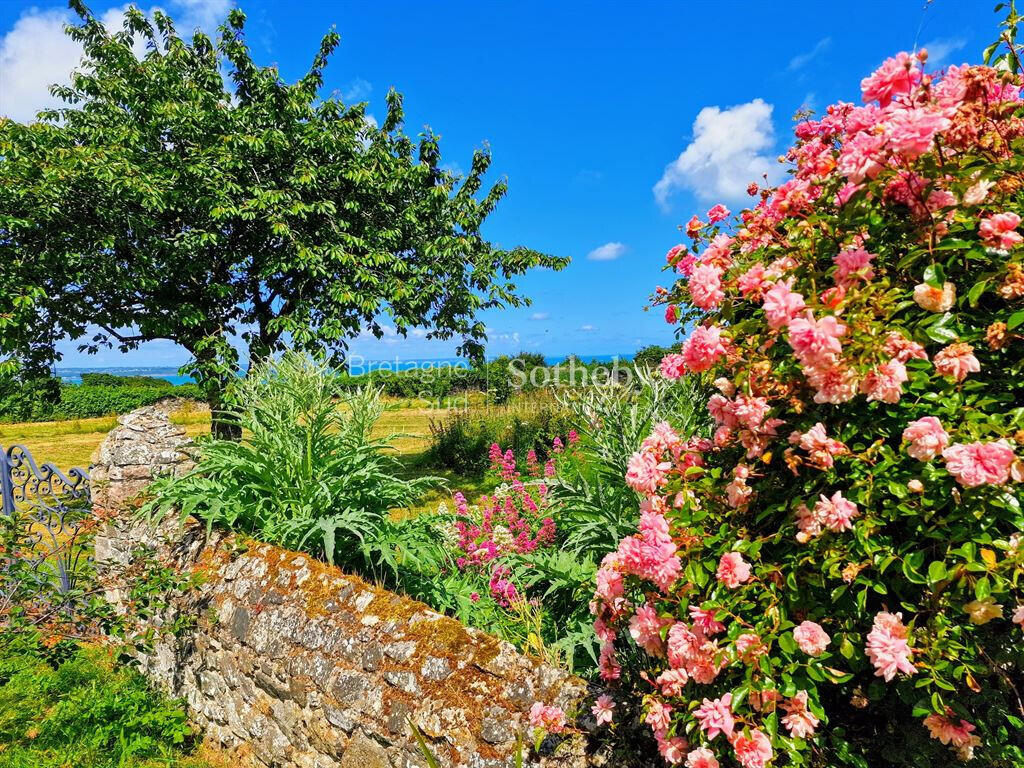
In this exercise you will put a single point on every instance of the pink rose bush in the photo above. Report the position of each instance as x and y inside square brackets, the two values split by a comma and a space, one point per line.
[838, 559]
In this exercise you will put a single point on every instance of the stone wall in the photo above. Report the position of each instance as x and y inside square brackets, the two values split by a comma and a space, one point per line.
[292, 663]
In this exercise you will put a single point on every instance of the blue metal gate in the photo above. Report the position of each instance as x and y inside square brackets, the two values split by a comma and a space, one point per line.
[47, 510]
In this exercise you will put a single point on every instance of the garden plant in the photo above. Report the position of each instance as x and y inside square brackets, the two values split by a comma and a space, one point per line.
[833, 575]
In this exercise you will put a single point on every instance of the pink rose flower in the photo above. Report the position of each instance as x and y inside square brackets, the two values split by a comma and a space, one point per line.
[718, 213]
[703, 349]
[887, 646]
[927, 438]
[733, 570]
[548, 718]
[672, 366]
[836, 513]
[853, 264]
[812, 639]
[955, 732]
[603, 709]
[978, 463]
[715, 717]
[896, 77]
[706, 287]
[935, 299]
[781, 304]
[885, 382]
[816, 342]
[645, 629]
[799, 719]
[754, 751]
[1018, 616]
[702, 757]
[956, 361]
[998, 230]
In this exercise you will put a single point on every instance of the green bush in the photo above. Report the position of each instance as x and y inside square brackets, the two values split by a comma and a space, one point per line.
[77, 709]
[460, 441]
[113, 380]
[28, 398]
[83, 401]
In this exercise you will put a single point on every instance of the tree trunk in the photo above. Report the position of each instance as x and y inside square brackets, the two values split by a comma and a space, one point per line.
[223, 424]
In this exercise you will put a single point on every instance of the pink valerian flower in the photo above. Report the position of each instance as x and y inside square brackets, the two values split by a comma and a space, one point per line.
[645, 473]
[718, 213]
[733, 570]
[956, 361]
[926, 438]
[706, 287]
[812, 639]
[645, 629]
[816, 342]
[935, 299]
[603, 709]
[897, 77]
[887, 646]
[672, 366]
[956, 732]
[651, 553]
[704, 348]
[999, 230]
[852, 265]
[715, 717]
[799, 719]
[702, 757]
[974, 464]
[782, 304]
[753, 751]
[903, 349]
[548, 718]
[885, 382]
[705, 621]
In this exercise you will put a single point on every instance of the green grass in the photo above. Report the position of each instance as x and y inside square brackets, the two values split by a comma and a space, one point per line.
[85, 712]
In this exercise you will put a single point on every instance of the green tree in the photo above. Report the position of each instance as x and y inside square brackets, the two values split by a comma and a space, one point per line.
[163, 203]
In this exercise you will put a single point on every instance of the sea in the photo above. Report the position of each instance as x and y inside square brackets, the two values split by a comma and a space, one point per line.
[73, 375]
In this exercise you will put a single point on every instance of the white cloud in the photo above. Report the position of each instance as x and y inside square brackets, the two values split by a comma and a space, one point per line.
[587, 328]
[607, 252]
[539, 316]
[940, 49]
[358, 90]
[803, 59]
[726, 154]
[36, 53]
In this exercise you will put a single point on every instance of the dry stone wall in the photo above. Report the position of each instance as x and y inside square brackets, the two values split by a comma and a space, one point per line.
[290, 662]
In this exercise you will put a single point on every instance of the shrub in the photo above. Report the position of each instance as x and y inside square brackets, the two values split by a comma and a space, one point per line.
[80, 710]
[833, 580]
[460, 441]
[24, 397]
[306, 474]
[113, 380]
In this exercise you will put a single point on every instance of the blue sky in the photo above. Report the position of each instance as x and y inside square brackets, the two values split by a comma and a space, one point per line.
[613, 121]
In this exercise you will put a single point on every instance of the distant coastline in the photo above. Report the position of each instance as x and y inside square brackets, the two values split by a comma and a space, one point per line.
[73, 375]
